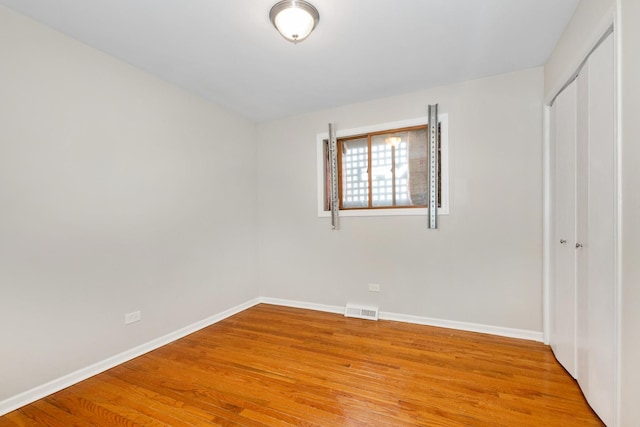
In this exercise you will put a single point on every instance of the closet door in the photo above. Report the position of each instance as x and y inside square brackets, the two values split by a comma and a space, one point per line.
[596, 302]
[563, 297]
[583, 309]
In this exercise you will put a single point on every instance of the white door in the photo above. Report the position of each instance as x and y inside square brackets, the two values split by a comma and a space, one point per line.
[563, 297]
[596, 302]
[583, 305]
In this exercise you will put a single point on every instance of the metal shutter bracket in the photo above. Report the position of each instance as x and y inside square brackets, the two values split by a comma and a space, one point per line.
[333, 154]
[433, 166]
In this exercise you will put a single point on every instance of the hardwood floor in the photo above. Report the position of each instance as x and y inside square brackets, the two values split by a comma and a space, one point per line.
[278, 366]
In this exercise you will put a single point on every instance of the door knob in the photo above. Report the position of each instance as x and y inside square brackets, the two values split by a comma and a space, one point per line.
[563, 241]
[578, 245]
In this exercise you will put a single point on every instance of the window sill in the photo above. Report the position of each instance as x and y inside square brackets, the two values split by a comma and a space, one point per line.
[383, 212]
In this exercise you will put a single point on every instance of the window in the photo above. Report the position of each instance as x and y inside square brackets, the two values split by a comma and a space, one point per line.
[383, 170]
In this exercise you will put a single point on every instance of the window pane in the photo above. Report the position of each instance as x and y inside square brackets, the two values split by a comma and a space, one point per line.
[418, 174]
[382, 172]
[355, 182]
[400, 175]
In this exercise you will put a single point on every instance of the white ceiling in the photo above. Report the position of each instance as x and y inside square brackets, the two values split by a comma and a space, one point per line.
[229, 53]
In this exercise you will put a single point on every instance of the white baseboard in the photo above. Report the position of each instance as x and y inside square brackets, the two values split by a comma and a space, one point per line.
[58, 384]
[418, 320]
[299, 304]
[51, 387]
[465, 326]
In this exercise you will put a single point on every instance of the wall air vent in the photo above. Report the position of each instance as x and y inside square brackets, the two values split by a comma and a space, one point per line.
[361, 312]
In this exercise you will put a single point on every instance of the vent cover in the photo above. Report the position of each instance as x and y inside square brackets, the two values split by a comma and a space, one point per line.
[361, 312]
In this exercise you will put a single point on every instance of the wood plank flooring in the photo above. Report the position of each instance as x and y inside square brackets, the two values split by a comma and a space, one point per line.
[279, 366]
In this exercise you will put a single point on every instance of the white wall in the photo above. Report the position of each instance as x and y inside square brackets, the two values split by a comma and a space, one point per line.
[589, 21]
[482, 266]
[118, 192]
[630, 375]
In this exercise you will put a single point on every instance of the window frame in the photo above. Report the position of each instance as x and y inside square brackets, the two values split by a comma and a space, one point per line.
[370, 187]
[381, 128]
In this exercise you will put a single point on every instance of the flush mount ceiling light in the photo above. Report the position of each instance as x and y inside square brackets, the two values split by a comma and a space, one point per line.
[294, 19]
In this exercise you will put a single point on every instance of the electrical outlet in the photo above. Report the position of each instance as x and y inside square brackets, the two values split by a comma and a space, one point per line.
[374, 287]
[132, 317]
